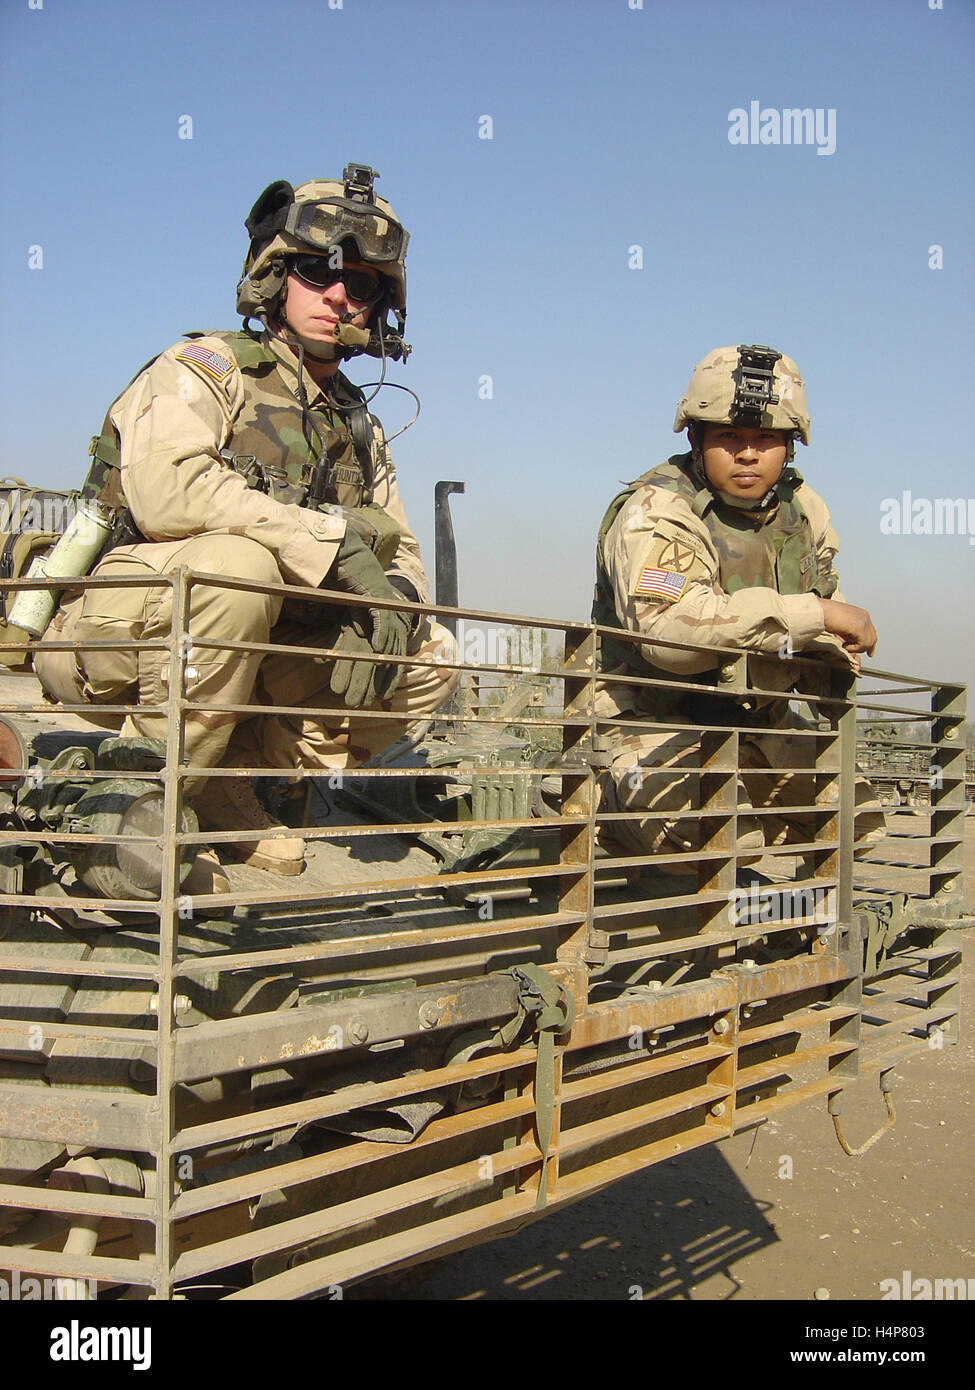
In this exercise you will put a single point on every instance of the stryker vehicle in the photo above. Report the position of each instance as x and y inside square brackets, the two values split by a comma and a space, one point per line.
[467, 1012]
[901, 769]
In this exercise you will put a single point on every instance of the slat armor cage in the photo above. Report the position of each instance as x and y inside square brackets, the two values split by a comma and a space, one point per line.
[300, 1083]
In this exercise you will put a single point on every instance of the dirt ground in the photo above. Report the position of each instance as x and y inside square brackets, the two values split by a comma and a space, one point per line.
[725, 1222]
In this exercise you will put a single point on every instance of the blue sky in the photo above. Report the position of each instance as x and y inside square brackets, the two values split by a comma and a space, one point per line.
[610, 130]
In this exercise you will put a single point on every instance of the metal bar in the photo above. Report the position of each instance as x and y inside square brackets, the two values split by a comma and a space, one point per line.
[12, 1028]
[236, 1044]
[349, 1216]
[190, 966]
[632, 1072]
[74, 1203]
[758, 1073]
[73, 1115]
[351, 832]
[440, 1132]
[909, 713]
[795, 1023]
[375, 888]
[109, 1271]
[463, 776]
[65, 965]
[306, 1111]
[166, 1075]
[841, 864]
[705, 999]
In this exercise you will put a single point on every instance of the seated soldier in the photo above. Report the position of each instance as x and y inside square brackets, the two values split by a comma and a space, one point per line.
[724, 546]
[250, 455]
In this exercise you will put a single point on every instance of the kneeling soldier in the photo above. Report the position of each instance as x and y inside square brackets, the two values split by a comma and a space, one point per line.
[249, 455]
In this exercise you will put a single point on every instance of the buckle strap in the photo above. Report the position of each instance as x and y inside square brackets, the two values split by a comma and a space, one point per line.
[555, 1007]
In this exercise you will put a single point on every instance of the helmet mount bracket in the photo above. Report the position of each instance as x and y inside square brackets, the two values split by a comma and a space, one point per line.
[754, 377]
[358, 180]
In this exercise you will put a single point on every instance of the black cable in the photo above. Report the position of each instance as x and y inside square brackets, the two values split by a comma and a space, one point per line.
[397, 386]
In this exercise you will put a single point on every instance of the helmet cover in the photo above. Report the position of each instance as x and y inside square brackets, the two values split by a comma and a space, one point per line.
[746, 385]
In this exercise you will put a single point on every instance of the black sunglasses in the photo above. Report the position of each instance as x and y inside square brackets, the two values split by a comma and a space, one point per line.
[364, 286]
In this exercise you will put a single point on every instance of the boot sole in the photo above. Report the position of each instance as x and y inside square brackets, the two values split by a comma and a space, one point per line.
[245, 854]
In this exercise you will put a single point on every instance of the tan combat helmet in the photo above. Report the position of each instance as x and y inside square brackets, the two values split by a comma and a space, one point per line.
[317, 217]
[746, 385]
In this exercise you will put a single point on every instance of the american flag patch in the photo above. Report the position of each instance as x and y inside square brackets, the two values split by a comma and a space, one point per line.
[211, 362]
[664, 583]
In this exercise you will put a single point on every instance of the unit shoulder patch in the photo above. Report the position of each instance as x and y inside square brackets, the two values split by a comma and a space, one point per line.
[664, 530]
[212, 363]
[676, 555]
[672, 560]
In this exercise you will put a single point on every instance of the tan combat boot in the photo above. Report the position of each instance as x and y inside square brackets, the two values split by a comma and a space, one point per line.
[207, 876]
[231, 803]
[750, 841]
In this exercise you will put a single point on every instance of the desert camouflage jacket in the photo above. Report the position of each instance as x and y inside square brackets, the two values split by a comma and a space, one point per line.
[676, 564]
[214, 393]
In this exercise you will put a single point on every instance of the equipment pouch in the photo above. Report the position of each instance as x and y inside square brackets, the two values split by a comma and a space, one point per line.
[272, 481]
[376, 527]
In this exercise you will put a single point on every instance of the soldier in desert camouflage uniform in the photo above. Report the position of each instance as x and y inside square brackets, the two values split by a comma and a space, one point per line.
[249, 454]
[725, 546]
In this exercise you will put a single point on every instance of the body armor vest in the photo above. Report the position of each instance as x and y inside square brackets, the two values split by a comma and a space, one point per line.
[271, 429]
[271, 442]
[773, 549]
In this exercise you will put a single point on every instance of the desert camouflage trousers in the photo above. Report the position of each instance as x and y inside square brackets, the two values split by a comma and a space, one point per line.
[224, 676]
[660, 773]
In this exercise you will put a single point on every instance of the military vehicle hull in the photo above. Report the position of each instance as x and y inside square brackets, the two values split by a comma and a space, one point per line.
[297, 1084]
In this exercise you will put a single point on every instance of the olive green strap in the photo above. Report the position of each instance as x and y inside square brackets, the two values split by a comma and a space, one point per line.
[556, 1014]
[247, 348]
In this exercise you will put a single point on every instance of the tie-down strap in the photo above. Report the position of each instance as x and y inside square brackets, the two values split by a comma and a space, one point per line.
[555, 1008]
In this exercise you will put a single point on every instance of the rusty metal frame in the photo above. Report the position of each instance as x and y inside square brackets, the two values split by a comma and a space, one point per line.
[218, 1127]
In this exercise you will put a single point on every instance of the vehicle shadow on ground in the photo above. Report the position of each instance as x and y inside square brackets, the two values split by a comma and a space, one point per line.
[654, 1236]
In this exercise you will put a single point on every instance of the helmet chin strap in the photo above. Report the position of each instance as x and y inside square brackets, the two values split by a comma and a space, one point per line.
[310, 347]
[742, 504]
[748, 504]
[349, 341]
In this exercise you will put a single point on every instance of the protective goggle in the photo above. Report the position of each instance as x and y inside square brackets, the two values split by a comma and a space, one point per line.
[364, 286]
[324, 224]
